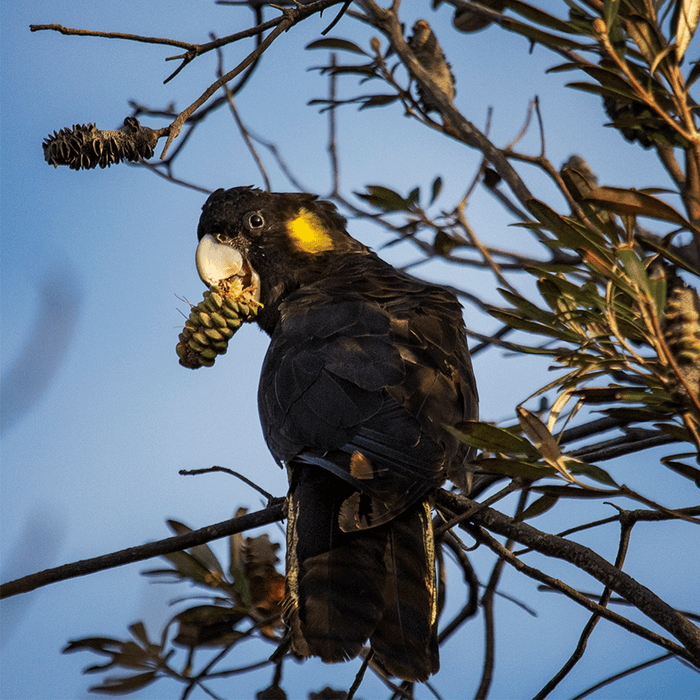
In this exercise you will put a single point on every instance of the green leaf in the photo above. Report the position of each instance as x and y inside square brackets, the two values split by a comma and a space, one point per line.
[686, 470]
[657, 289]
[339, 44]
[541, 505]
[436, 189]
[188, 567]
[646, 36]
[693, 75]
[611, 8]
[668, 254]
[635, 269]
[573, 236]
[602, 90]
[138, 629]
[526, 307]
[592, 471]
[572, 492]
[488, 437]
[609, 79]
[539, 36]
[544, 441]
[679, 432]
[131, 655]
[633, 202]
[688, 16]
[208, 625]
[384, 198]
[100, 645]
[514, 468]
[514, 320]
[378, 101]
[125, 684]
[542, 19]
[613, 394]
[444, 243]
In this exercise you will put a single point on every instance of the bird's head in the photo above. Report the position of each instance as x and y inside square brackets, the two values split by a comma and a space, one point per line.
[274, 243]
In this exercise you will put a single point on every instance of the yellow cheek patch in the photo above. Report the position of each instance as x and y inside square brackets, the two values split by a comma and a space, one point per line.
[308, 234]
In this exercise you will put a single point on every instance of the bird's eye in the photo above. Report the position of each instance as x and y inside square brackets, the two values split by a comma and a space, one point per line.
[254, 221]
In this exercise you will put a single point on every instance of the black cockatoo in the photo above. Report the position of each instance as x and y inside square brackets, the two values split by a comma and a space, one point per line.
[366, 365]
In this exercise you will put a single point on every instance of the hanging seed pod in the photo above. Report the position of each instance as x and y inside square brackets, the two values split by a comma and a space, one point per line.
[85, 146]
[682, 335]
[212, 324]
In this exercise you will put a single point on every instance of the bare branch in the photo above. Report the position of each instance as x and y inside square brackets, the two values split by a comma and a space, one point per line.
[589, 561]
[274, 512]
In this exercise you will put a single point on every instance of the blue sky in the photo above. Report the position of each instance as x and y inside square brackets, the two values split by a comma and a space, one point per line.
[99, 417]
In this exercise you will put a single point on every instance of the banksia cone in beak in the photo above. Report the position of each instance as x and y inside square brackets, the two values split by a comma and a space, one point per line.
[212, 324]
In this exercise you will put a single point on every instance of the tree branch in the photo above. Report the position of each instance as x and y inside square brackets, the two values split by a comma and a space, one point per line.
[274, 512]
[587, 560]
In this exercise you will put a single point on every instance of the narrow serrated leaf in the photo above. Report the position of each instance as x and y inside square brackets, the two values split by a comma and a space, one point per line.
[541, 505]
[378, 101]
[515, 320]
[526, 307]
[686, 470]
[635, 269]
[592, 471]
[125, 684]
[626, 201]
[688, 16]
[383, 198]
[514, 468]
[488, 437]
[338, 44]
[436, 189]
[572, 492]
[544, 441]
[138, 629]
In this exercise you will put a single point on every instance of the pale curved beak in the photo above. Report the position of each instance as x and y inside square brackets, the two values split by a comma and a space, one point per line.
[217, 261]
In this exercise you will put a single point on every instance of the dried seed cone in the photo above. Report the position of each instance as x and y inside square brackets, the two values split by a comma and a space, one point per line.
[85, 146]
[212, 324]
[682, 335]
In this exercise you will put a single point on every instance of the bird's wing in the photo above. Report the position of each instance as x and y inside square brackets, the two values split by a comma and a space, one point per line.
[351, 386]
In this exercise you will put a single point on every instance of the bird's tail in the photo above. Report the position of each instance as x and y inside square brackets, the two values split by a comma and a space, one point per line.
[344, 588]
[405, 640]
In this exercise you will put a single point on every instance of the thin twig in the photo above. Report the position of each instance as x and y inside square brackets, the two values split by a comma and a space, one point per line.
[471, 582]
[622, 674]
[241, 126]
[69, 31]
[226, 470]
[288, 19]
[359, 676]
[576, 656]
[487, 607]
